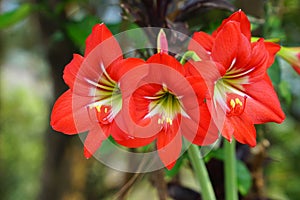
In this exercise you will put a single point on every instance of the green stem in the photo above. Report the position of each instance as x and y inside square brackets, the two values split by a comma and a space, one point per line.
[231, 191]
[201, 173]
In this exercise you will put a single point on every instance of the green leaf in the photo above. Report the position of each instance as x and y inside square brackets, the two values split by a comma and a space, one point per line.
[285, 91]
[217, 154]
[244, 178]
[274, 72]
[11, 17]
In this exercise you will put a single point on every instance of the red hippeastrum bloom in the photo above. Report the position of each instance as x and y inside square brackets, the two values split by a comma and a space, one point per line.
[94, 98]
[169, 100]
[240, 91]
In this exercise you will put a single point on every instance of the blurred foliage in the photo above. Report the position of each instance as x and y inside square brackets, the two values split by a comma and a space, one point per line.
[21, 144]
[283, 170]
[9, 18]
[24, 114]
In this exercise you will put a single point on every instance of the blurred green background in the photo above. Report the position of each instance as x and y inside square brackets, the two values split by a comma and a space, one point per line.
[37, 40]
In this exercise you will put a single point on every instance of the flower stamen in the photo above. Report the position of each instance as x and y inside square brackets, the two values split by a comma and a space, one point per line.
[236, 106]
[108, 98]
[165, 120]
[166, 105]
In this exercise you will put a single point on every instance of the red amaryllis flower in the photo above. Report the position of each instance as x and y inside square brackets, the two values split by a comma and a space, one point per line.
[169, 101]
[241, 93]
[94, 98]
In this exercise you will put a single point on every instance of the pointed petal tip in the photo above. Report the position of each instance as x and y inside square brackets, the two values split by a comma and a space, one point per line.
[229, 139]
[252, 145]
[86, 153]
[170, 166]
[282, 118]
[240, 12]
[99, 33]
[296, 68]
[71, 70]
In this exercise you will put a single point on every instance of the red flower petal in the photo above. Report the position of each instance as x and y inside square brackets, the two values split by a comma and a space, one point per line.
[209, 71]
[199, 85]
[71, 70]
[139, 105]
[169, 144]
[260, 55]
[207, 132]
[250, 61]
[99, 34]
[272, 48]
[263, 105]
[102, 45]
[199, 40]
[240, 17]
[256, 65]
[93, 141]
[62, 117]
[243, 55]
[167, 60]
[117, 69]
[242, 128]
[227, 44]
[296, 68]
[124, 139]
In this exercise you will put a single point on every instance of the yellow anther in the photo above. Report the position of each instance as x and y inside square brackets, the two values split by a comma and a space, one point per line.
[159, 121]
[98, 108]
[164, 119]
[169, 120]
[237, 106]
[238, 101]
[232, 103]
[105, 110]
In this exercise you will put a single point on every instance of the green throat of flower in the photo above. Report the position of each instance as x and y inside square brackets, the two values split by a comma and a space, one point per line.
[166, 105]
[107, 98]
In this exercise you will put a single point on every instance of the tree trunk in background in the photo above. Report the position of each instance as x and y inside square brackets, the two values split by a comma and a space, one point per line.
[56, 171]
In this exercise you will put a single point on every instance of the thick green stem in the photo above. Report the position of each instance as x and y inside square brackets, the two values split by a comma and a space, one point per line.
[201, 173]
[231, 191]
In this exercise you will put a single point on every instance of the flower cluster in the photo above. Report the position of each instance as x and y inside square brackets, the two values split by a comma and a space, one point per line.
[224, 88]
